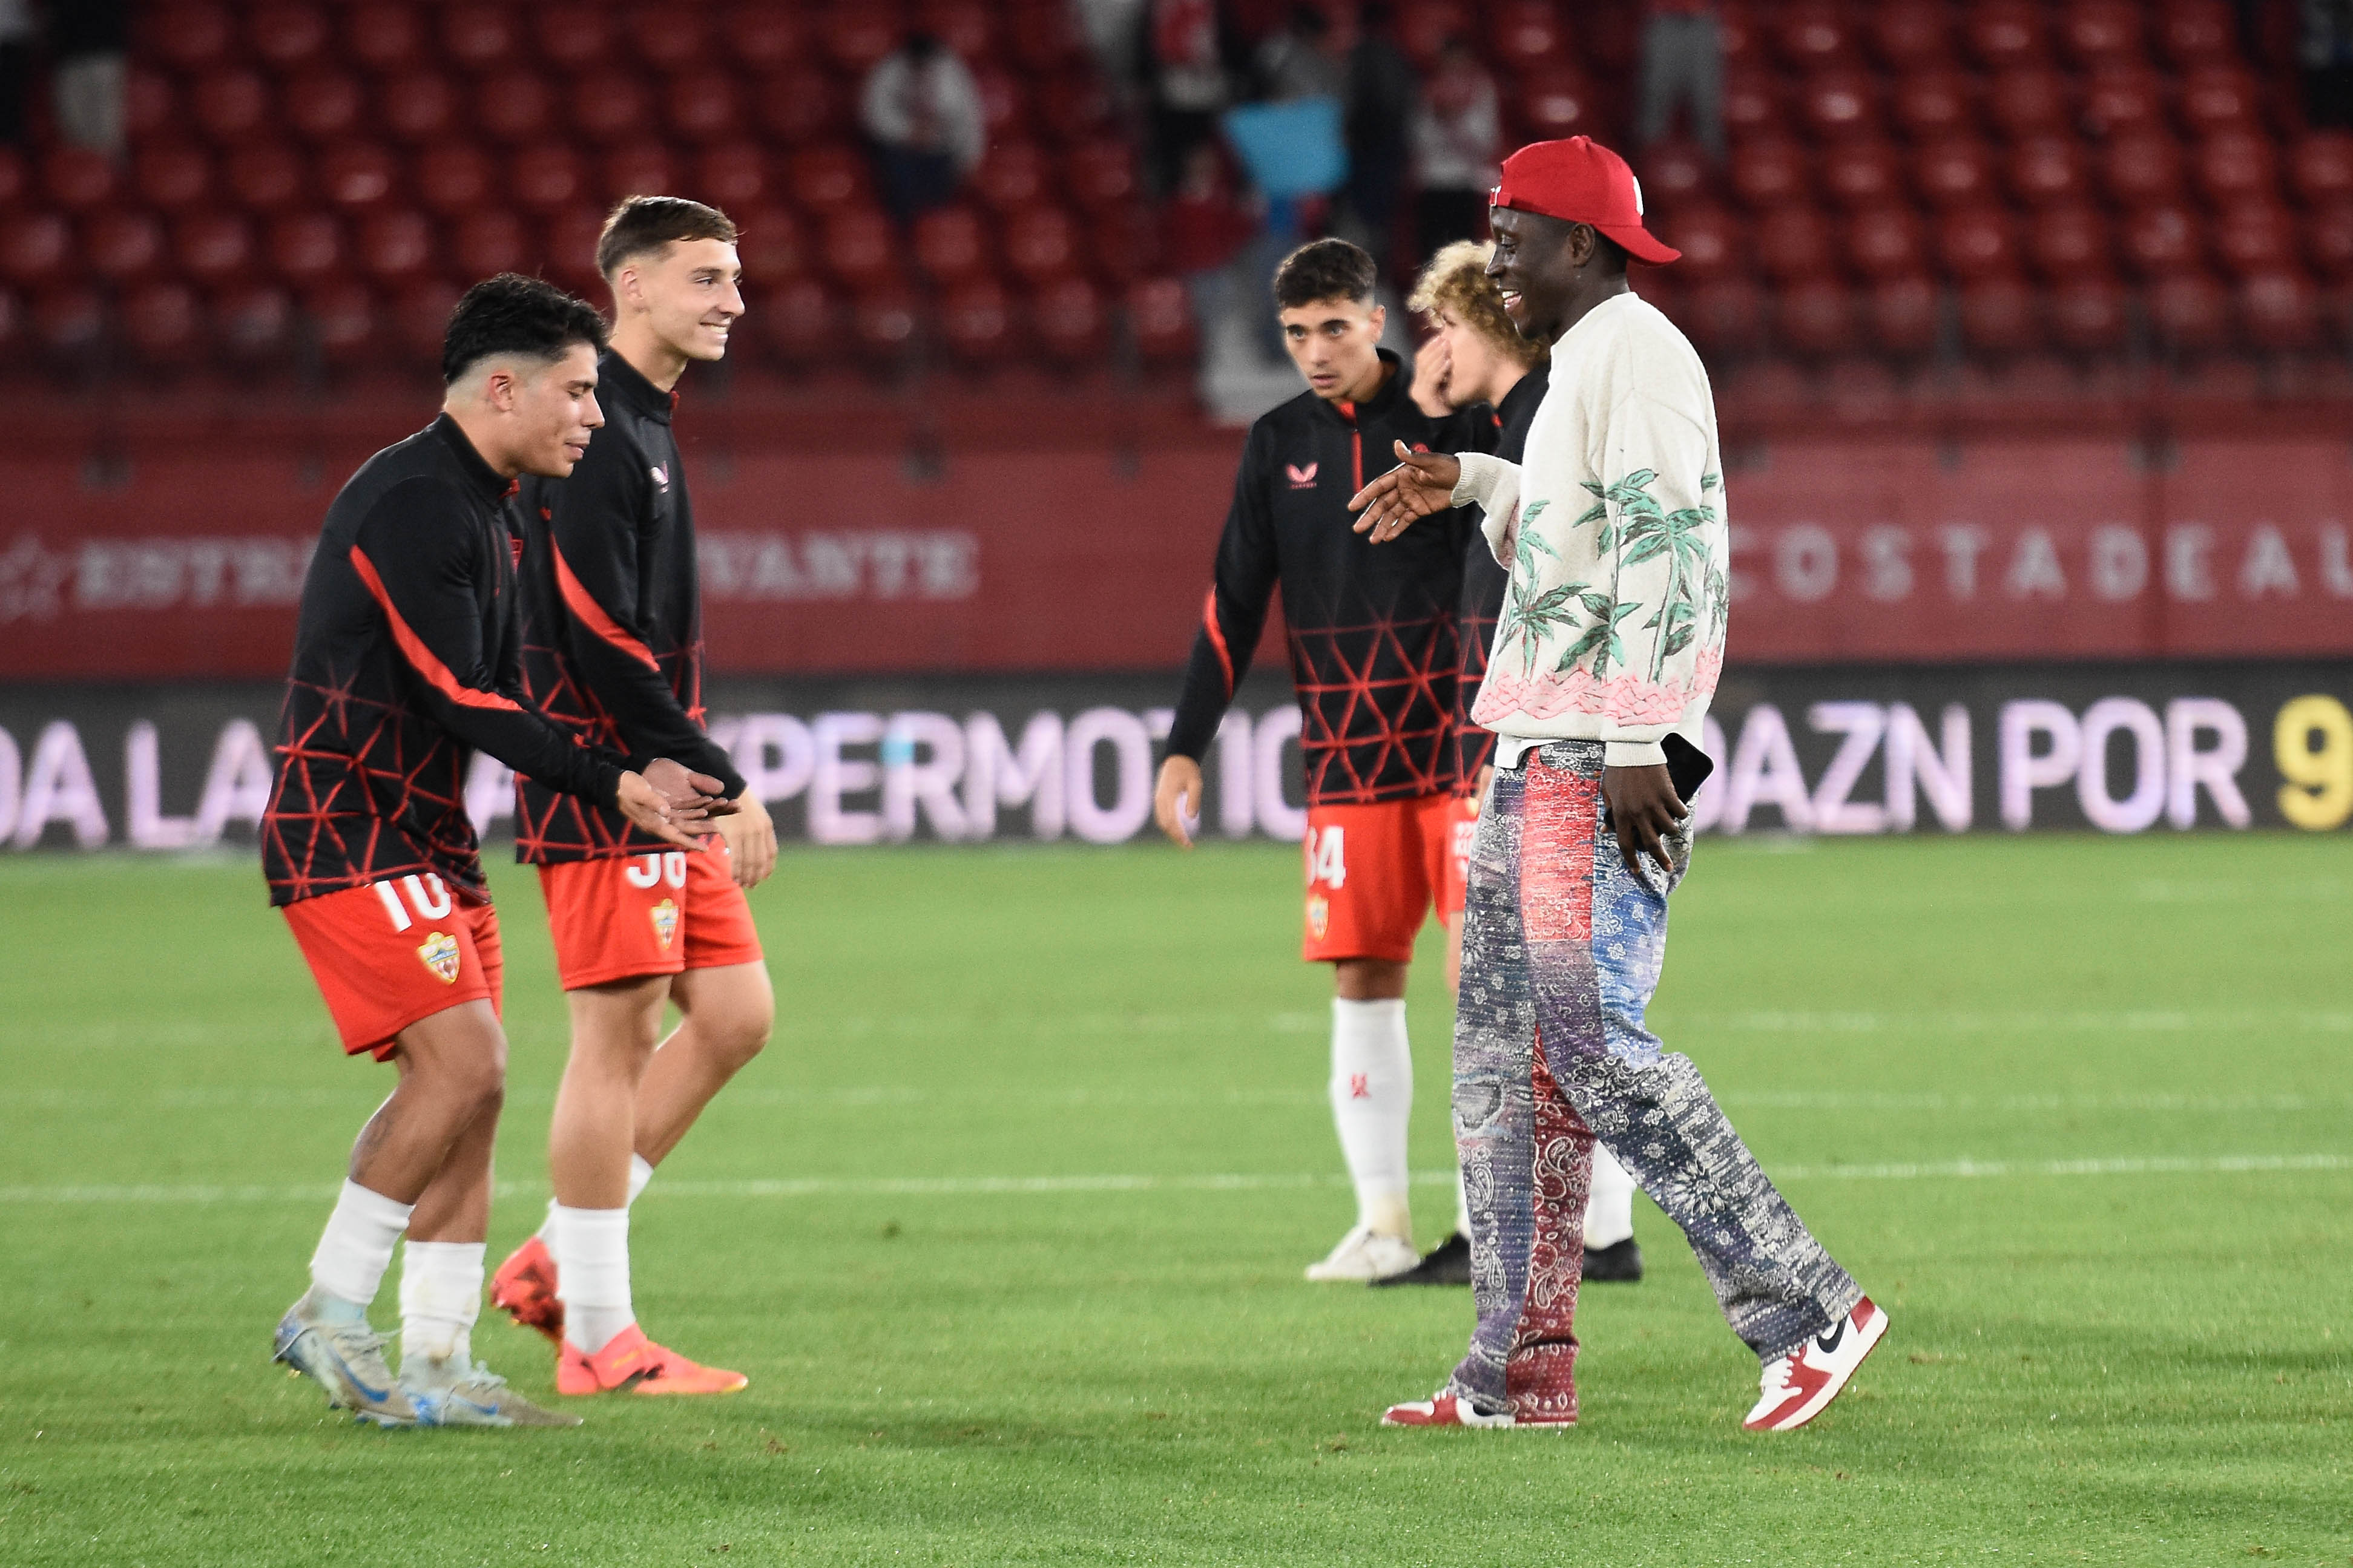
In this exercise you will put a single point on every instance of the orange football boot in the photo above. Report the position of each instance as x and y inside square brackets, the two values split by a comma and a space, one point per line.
[633, 1363]
[524, 1288]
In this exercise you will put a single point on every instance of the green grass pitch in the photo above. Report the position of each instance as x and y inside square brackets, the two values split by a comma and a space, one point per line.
[1007, 1228]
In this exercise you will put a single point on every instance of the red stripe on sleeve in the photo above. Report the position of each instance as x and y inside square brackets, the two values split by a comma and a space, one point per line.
[420, 658]
[583, 603]
[1217, 639]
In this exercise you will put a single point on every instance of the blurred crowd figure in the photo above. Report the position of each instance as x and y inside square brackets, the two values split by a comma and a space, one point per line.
[2325, 50]
[1458, 145]
[920, 109]
[88, 46]
[1682, 68]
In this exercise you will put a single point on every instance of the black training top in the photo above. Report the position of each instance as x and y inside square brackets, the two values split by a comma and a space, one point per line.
[1372, 626]
[1484, 582]
[613, 616]
[406, 664]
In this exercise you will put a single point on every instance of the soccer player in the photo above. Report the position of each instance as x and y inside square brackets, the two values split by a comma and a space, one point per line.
[1609, 645]
[1372, 660]
[613, 648]
[1476, 358]
[405, 663]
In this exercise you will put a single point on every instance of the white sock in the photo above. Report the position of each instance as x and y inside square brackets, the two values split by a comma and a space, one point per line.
[639, 1174]
[591, 1274]
[1610, 1212]
[1461, 1204]
[1372, 1100]
[356, 1247]
[440, 1297]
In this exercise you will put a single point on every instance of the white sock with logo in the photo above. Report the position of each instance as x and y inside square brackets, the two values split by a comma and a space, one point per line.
[1372, 1100]
[1610, 1212]
[440, 1297]
[356, 1246]
[639, 1174]
[591, 1274]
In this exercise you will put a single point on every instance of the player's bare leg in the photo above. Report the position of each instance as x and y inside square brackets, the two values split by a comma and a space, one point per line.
[725, 1014]
[1372, 1101]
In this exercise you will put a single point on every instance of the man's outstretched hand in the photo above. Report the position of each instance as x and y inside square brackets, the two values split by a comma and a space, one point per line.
[1177, 800]
[1643, 808]
[1421, 483]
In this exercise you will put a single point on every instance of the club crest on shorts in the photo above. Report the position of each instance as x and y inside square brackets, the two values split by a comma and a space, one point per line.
[1319, 915]
[665, 918]
[440, 954]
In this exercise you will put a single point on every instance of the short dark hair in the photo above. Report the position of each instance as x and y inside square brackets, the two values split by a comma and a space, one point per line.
[1612, 256]
[642, 224]
[1324, 269]
[511, 314]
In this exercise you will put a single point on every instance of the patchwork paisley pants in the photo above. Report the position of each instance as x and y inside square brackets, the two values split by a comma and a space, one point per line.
[1561, 951]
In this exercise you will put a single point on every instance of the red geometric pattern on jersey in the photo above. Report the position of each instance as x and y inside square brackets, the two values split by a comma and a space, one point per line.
[1391, 858]
[379, 975]
[1540, 1373]
[622, 917]
[1376, 707]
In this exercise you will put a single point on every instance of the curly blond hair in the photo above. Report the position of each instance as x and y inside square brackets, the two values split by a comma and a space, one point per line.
[1456, 282]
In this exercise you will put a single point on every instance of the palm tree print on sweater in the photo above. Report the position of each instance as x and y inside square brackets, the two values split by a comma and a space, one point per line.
[1646, 532]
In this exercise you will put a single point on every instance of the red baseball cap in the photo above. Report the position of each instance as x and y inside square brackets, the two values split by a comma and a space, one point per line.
[1580, 181]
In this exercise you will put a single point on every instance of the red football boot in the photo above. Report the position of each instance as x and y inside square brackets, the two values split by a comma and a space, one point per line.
[632, 1364]
[524, 1288]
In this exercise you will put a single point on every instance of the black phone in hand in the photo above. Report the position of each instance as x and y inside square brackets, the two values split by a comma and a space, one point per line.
[1687, 765]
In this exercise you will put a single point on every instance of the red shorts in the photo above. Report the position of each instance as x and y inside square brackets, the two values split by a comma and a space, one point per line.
[395, 953]
[1372, 871]
[1462, 828]
[627, 916]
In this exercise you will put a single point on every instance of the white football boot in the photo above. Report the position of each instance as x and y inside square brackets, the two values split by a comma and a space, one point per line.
[1364, 1256]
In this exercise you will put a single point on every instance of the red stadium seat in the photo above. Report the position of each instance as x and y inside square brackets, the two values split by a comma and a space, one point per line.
[515, 106]
[1424, 25]
[212, 247]
[2101, 32]
[1903, 314]
[572, 35]
[2280, 310]
[856, 36]
[1673, 171]
[395, 246]
[1067, 315]
[1793, 242]
[2045, 171]
[950, 245]
[189, 36]
[1042, 243]
[172, 176]
[2218, 98]
[358, 175]
[420, 106]
[1884, 241]
[1933, 105]
[977, 320]
[34, 246]
[384, 38]
[1815, 318]
[2322, 166]
[2191, 310]
[69, 320]
[12, 323]
[1977, 242]
[342, 321]
[1004, 102]
[288, 37]
[2121, 101]
[861, 248]
[255, 323]
[1552, 107]
[2162, 239]
[670, 38]
[1160, 315]
[702, 107]
[266, 177]
[455, 179]
[1524, 33]
[825, 179]
[2004, 33]
[1861, 174]
[491, 241]
[1999, 314]
[122, 246]
[1711, 239]
[2069, 241]
[2256, 236]
[1100, 174]
[2329, 240]
[569, 247]
[797, 107]
[883, 316]
[164, 324]
[1012, 175]
[2233, 166]
[1842, 103]
[419, 319]
[78, 178]
[1044, 37]
[2142, 170]
[306, 248]
[1951, 173]
[1770, 173]
[797, 321]
[771, 246]
[965, 29]
[1125, 243]
[1911, 34]
[2196, 32]
[231, 106]
[1813, 33]
[1752, 103]
[733, 176]
[2033, 102]
[610, 107]
[547, 178]
[15, 182]
[322, 106]
[1724, 316]
[151, 107]
[2088, 313]
[479, 36]
[645, 169]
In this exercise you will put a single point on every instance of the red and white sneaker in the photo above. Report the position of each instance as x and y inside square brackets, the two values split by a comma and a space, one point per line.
[524, 1288]
[1797, 1386]
[1443, 1409]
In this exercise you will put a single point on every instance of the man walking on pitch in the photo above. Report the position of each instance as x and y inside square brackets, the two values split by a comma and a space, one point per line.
[405, 663]
[1372, 657]
[613, 649]
[1608, 648]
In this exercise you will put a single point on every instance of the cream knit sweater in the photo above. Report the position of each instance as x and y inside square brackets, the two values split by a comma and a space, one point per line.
[1613, 530]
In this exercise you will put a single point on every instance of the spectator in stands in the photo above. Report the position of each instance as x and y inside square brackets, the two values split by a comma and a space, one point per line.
[1458, 140]
[1682, 65]
[1382, 94]
[1205, 224]
[93, 43]
[922, 110]
[15, 67]
[1189, 64]
[1299, 60]
[2325, 52]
